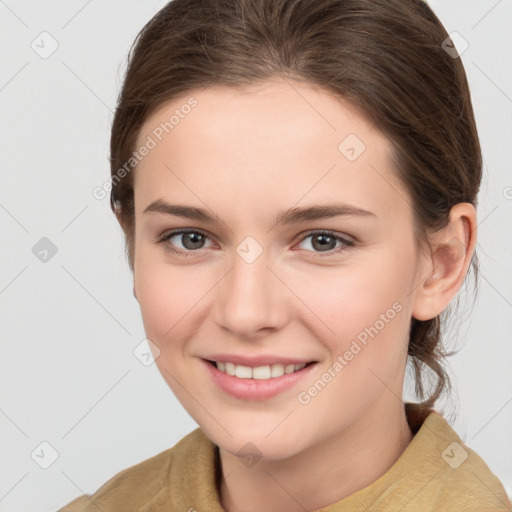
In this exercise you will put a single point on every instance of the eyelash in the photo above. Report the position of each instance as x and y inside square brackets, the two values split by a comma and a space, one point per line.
[347, 243]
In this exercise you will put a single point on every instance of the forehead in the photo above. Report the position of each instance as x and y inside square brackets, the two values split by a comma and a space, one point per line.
[263, 110]
[278, 140]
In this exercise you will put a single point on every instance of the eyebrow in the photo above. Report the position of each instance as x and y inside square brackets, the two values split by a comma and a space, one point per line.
[293, 215]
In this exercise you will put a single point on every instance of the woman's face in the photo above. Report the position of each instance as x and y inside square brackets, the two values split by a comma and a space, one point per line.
[260, 287]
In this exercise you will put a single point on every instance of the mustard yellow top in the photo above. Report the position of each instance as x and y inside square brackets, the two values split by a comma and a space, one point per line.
[436, 472]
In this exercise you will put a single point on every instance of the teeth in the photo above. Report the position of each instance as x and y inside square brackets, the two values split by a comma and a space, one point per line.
[259, 372]
[276, 370]
[243, 372]
[290, 368]
[230, 368]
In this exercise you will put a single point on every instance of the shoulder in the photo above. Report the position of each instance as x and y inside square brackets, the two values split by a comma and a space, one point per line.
[135, 487]
[461, 480]
[436, 472]
[467, 481]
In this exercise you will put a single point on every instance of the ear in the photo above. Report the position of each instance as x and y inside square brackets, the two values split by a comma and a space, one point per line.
[444, 269]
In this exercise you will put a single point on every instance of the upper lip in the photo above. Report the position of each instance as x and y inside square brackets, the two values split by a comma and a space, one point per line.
[255, 361]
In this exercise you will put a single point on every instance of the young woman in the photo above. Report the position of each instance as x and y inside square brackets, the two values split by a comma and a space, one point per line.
[297, 183]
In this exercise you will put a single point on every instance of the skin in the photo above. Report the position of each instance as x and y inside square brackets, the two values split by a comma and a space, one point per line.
[244, 155]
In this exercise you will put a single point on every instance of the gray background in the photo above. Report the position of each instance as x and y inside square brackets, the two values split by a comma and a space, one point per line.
[69, 325]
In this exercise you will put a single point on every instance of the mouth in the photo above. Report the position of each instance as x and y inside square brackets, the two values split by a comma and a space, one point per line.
[259, 381]
[257, 377]
[263, 372]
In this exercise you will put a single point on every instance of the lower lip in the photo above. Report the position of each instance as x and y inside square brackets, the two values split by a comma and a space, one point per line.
[255, 389]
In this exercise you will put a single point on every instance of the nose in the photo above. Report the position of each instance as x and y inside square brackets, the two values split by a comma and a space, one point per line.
[251, 300]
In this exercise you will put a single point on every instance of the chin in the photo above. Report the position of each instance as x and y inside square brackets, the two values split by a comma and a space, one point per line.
[264, 450]
[256, 442]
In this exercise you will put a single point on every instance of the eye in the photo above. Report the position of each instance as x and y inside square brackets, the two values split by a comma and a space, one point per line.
[193, 240]
[325, 242]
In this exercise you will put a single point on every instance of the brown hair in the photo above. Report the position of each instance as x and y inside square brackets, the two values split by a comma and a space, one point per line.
[385, 56]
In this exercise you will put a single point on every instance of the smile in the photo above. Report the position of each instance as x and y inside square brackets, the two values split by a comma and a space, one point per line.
[258, 372]
[259, 381]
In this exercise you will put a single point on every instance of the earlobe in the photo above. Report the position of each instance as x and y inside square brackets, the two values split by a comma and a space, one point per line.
[135, 293]
[452, 249]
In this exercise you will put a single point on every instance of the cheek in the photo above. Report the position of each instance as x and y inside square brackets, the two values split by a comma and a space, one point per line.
[365, 311]
[168, 300]
[348, 300]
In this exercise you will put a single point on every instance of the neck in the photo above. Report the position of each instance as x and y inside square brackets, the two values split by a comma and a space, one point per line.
[325, 473]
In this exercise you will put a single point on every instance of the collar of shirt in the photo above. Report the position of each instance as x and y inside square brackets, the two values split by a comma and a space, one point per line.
[437, 471]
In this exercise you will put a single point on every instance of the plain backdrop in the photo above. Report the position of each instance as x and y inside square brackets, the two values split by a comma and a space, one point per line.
[74, 397]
